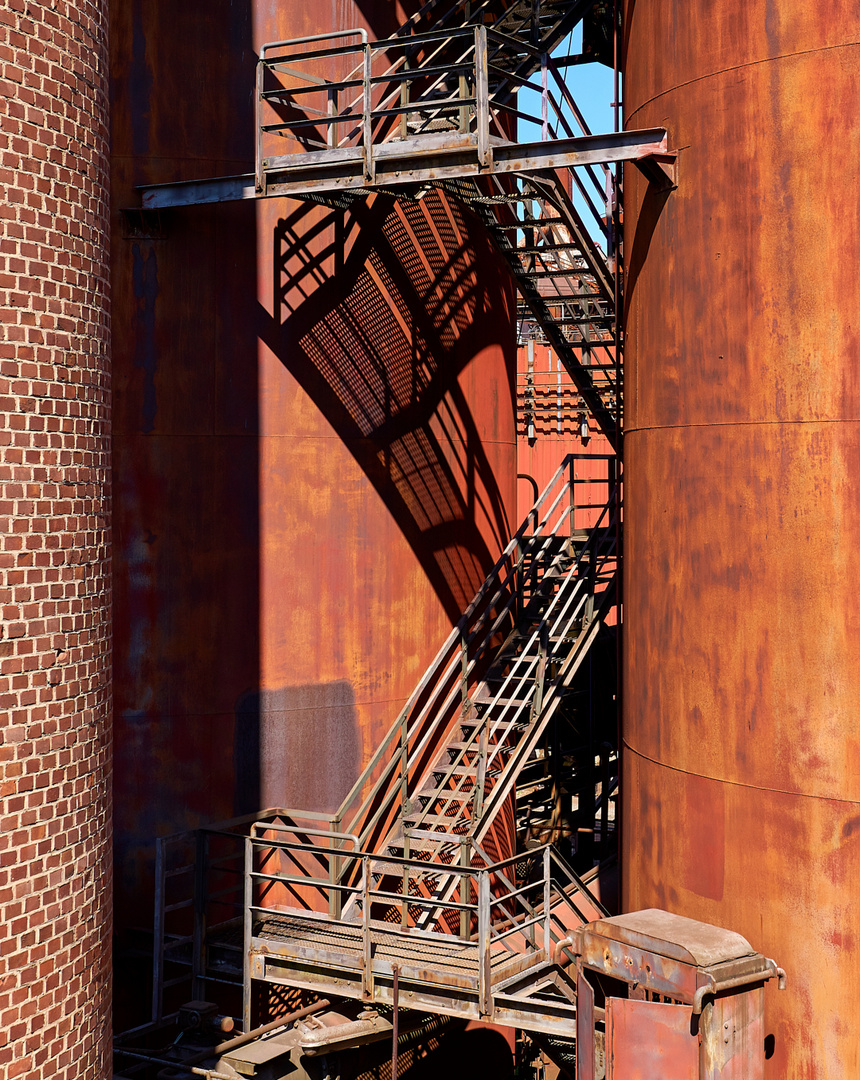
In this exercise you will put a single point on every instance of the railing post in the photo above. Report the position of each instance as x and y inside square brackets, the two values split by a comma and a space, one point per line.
[480, 776]
[404, 116]
[547, 944]
[572, 521]
[464, 112]
[464, 673]
[544, 135]
[335, 899]
[366, 970]
[485, 995]
[404, 907]
[198, 948]
[482, 95]
[605, 780]
[247, 934]
[259, 177]
[518, 578]
[404, 765]
[591, 584]
[613, 490]
[158, 932]
[540, 670]
[368, 118]
[331, 136]
[465, 889]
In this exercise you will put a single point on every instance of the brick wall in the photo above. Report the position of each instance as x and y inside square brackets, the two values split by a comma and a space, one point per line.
[54, 525]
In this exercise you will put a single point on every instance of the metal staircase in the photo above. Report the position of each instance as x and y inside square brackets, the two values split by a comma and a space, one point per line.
[439, 104]
[402, 875]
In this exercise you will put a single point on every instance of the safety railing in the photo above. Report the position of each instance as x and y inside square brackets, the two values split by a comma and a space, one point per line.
[382, 90]
[199, 896]
[338, 95]
[498, 924]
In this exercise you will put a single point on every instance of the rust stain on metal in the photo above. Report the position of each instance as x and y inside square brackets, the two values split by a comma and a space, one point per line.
[646, 1040]
[742, 525]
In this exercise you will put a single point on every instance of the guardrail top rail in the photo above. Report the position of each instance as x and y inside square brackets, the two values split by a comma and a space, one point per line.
[493, 927]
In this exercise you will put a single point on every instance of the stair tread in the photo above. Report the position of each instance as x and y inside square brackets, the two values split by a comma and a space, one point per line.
[445, 795]
[438, 819]
[493, 700]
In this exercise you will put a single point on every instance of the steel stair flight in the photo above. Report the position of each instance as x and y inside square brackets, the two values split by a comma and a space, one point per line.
[404, 874]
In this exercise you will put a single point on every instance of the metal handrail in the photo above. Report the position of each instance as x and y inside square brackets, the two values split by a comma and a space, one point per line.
[491, 66]
[469, 921]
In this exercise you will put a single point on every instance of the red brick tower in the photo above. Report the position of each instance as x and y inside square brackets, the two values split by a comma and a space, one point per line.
[55, 657]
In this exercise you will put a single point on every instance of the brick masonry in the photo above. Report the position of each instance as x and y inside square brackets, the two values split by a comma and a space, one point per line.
[55, 574]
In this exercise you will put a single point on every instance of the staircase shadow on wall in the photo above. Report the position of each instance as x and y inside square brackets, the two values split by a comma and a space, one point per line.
[378, 311]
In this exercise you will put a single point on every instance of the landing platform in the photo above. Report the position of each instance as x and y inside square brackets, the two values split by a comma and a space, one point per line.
[436, 972]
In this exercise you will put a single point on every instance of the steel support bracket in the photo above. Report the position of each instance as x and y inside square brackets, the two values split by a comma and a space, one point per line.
[661, 170]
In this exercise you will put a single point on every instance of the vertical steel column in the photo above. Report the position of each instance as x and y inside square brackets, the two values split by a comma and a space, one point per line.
[482, 93]
[247, 932]
[485, 993]
[158, 932]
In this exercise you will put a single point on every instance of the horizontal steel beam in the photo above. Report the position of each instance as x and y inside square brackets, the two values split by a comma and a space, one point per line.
[411, 162]
[198, 192]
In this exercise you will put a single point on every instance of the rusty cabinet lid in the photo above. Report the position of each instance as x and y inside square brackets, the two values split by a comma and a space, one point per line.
[674, 936]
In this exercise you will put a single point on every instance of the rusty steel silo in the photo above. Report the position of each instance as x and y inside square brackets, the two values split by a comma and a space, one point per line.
[742, 771]
[314, 443]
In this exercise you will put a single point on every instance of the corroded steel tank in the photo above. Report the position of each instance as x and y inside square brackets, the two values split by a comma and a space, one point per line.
[742, 672]
[314, 443]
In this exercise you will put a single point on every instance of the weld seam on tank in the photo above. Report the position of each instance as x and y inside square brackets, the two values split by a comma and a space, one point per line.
[736, 67]
[736, 783]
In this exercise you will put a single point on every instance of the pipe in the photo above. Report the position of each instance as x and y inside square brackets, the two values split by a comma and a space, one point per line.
[240, 1040]
[533, 482]
[732, 984]
[230, 1044]
[395, 1002]
[565, 943]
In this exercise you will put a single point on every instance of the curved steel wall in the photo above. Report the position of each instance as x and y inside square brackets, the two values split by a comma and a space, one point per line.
[314, 444]
[742, 768]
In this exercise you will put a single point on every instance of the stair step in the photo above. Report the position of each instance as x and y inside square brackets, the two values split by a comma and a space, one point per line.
[518, 968]
[458, 770]
[485, 696]
[498, 672]
[444, 795]
[544, 977]
[519, 725]
[438, 819]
